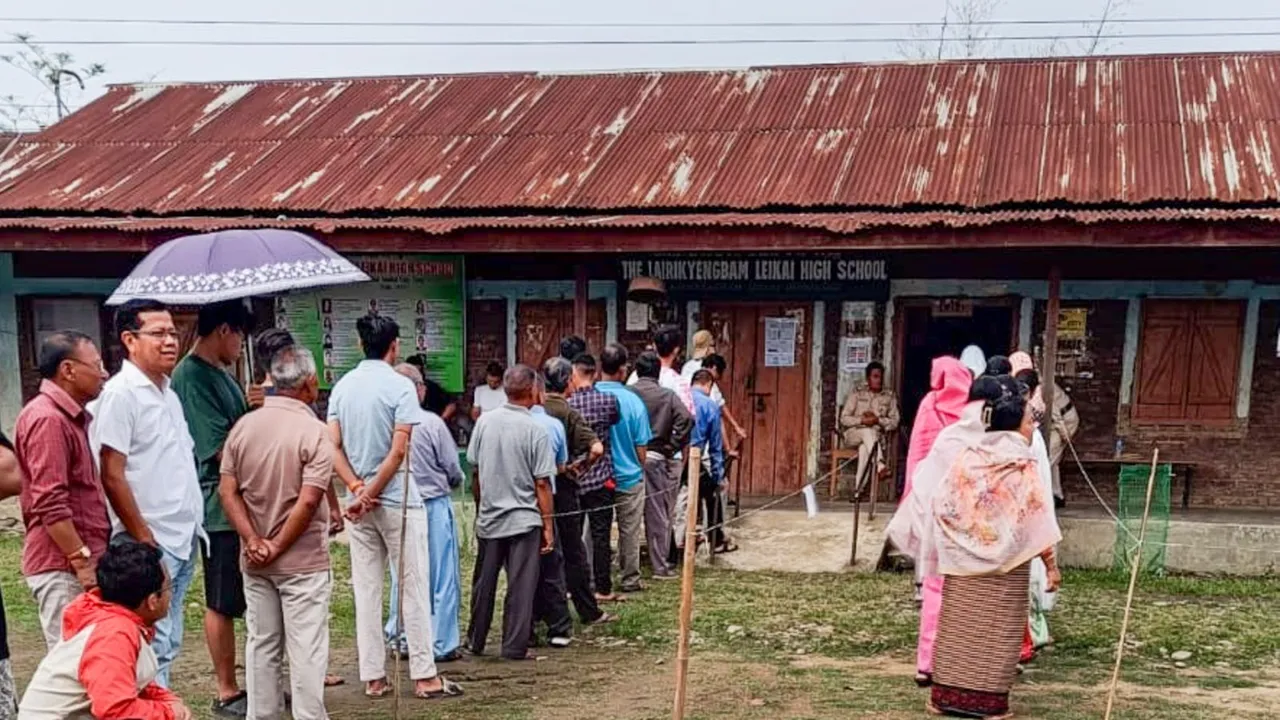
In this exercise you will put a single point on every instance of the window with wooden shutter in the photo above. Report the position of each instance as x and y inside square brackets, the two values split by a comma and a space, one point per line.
[1188, 361]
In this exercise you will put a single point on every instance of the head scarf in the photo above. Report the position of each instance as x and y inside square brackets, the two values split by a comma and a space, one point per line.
[974, 359]
[703, 342]
[949, 394]
[1020, 361]
[991, 513]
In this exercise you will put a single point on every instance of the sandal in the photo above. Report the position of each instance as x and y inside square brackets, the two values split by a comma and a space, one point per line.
[448, 689]
[727, 548]
[604, 619]
[381, 692]
[334, 681]
[924, 680]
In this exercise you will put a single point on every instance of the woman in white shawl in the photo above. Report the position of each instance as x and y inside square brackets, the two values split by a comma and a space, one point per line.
[911, 529]
[990, 517]
[1042, 600]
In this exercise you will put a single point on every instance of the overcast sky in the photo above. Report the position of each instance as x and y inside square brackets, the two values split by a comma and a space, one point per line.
[132, 63]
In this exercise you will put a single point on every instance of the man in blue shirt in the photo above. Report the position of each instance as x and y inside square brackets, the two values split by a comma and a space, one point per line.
[372, 412]
[629, 440]
[708, 434]
[550, 604]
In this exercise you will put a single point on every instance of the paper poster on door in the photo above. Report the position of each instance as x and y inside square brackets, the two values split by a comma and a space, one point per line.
[857, 354]
[637, 316]
[780, 341]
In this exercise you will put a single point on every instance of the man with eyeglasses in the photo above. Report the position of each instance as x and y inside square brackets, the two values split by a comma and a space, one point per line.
[67, 527]
[212, 403]
[147, 459]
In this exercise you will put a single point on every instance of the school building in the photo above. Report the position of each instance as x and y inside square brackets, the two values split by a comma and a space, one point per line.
[1116, 214]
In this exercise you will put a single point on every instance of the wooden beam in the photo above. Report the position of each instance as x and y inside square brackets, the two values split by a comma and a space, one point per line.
[1049, 361]
[580, 300]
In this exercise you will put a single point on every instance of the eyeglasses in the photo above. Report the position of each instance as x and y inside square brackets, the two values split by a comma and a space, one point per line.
[160, 335]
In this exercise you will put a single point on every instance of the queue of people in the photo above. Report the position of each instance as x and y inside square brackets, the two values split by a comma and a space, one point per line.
[126, 482]
[977, 518]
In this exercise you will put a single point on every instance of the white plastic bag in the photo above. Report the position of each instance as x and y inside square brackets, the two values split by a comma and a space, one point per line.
[1041, 597]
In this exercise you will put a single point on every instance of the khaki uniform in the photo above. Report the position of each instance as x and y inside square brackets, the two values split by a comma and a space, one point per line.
[1066, 421]
[856, 435]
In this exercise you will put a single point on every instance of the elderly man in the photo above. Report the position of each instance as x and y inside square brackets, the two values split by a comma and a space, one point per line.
[436, 472]
[276, 468]
[147, 459]
[372, 411]
[870, 412]
[514, 467]
[62, 503]
[585, 449]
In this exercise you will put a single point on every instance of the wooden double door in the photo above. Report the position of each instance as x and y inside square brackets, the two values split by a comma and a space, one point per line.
[541, 324]
[770, 399]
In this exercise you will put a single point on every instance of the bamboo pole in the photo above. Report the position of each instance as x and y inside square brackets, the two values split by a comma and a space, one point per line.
[1049, 363]
[404, 522]
[1133, 582]
[686, 585]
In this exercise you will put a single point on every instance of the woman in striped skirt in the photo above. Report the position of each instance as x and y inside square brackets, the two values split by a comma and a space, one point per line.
[991, 517]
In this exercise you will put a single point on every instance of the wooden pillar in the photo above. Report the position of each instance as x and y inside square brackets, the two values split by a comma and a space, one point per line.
[580, 300]
[1049, 361]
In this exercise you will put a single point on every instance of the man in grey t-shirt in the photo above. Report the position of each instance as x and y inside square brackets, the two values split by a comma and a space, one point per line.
[514, 467]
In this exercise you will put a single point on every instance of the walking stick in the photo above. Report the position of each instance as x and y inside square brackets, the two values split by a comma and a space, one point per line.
[404, 523]
[686, 585]
[1133, 582]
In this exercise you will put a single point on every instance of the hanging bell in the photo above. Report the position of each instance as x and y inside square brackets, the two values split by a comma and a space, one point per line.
[645, 289]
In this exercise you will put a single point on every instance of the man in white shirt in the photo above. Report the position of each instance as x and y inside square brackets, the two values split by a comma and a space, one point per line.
[147, 460]
[490, 395]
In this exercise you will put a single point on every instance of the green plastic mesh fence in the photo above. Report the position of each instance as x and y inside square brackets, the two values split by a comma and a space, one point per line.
[1133, 496]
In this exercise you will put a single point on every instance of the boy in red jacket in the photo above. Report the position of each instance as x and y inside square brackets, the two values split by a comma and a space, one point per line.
[103, 667]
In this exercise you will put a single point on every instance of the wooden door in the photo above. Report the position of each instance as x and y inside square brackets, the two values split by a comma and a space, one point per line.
[770, 402]
[541, 324]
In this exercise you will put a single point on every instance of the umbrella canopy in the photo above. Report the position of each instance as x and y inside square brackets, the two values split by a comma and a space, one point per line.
[231, 264]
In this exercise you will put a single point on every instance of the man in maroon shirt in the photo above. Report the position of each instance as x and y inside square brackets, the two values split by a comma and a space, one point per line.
[62, 501]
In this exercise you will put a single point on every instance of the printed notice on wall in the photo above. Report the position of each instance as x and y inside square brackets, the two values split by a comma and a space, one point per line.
[1073, 323]
[857, 354]
[423, 293]
[780, 341]
[637, 316]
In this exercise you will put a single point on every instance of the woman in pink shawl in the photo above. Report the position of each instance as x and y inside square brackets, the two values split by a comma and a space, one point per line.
[949, 383]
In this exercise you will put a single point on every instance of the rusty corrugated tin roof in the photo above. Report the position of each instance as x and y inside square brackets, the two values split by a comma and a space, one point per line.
[1106, 131]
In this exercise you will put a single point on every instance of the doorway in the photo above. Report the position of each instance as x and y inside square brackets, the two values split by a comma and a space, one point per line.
[930, 328]
[540, 325]
[769, 399]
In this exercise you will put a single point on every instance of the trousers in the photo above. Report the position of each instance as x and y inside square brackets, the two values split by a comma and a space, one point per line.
[286, 614]
[659, 505]
[518, 557]
[577, 569]
[598, 505]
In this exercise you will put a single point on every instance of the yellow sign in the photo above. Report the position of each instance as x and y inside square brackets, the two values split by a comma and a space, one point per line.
[1073, 323]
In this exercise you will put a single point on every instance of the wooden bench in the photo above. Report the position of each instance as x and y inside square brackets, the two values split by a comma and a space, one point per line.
[1185, 468]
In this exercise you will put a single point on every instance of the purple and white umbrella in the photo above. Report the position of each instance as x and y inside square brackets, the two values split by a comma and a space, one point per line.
[232, 264]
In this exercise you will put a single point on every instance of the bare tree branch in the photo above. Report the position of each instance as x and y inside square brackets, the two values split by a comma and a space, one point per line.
[53, 70]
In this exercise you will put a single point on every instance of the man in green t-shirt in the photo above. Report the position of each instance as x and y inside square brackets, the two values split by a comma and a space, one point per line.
[212, 402]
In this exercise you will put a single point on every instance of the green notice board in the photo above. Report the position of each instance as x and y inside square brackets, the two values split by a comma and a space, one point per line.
[425, 295]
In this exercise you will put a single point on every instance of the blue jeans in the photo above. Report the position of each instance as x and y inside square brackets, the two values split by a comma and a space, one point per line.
[168, 639]
[446, 582]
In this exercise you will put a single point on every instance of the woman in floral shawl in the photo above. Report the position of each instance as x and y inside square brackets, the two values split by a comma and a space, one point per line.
[991, 517]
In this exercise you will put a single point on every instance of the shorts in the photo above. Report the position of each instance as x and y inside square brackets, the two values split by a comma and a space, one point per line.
[223, 581]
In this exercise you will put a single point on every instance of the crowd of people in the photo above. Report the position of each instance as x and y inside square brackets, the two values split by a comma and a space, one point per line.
[126, 482]
[978, 519]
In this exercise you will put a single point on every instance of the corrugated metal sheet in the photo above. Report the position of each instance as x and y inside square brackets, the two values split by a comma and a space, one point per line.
[847, 223]
[1202, 129]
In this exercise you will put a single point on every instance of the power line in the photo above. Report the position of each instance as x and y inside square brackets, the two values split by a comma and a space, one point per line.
[635, 24]
[661, 41]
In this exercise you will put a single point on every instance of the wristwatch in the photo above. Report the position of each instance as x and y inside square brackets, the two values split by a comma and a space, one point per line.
[82, 554]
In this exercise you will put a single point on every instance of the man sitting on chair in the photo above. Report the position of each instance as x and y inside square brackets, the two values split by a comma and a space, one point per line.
[869, 413]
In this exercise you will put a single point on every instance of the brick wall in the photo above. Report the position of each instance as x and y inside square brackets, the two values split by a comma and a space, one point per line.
[486, 340]
[1233, 466]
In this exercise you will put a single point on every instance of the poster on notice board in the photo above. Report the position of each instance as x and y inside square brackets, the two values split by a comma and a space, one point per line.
[424, 293]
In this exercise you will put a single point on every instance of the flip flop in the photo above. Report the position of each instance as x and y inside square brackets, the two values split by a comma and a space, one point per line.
[448, 689]
[334, 681]
[727, 548]
[604, 619]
